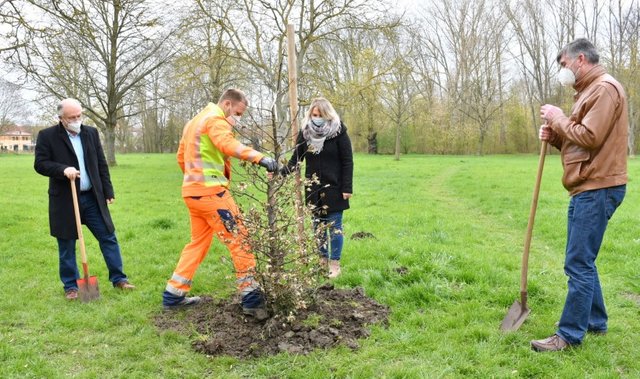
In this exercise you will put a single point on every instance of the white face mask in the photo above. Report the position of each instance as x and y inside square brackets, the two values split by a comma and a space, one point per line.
[74, 126]
[236, 120]
[566, 77]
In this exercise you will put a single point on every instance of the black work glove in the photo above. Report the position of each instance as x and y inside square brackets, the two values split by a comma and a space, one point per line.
[269, 163]
[283, 171]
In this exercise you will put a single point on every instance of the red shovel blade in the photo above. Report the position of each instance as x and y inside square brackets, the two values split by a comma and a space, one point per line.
[88, 289]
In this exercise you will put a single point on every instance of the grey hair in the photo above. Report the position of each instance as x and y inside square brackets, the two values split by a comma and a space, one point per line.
[65, 102]
[580, 46]
[324, 107]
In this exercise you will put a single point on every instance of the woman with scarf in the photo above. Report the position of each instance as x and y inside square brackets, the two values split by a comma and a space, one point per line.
[324, 145]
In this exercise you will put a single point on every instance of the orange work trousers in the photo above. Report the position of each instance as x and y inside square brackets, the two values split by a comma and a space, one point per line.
[214, 215]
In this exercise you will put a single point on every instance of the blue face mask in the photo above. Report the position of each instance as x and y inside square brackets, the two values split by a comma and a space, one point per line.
[318, 121]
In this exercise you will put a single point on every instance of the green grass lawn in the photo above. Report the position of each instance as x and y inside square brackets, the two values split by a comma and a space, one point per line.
[456, 223]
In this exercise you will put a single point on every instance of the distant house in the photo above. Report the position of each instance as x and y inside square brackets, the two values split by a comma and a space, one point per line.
[16, 141]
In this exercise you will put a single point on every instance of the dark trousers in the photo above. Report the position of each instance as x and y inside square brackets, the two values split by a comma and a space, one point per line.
[91, 217]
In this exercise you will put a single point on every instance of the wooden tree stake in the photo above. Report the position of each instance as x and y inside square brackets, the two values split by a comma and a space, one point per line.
[293, 107]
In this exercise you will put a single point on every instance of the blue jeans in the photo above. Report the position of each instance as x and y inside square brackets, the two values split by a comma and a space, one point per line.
[91, 217]
[588, 215]
[333, 222]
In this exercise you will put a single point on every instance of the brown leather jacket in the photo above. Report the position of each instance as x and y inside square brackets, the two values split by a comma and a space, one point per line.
[593, 139]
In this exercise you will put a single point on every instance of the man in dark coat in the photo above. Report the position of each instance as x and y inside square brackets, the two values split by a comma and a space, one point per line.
[72, 151]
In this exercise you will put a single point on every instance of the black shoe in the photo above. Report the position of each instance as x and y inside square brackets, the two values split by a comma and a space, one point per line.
[184, 303]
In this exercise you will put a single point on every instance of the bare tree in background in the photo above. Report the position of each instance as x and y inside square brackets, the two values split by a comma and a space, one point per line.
[534, 54]
[562, 21]
[125, 136]
[206, 61]
[399, 89]
[467, 43]
[151, 114]
[9, 16]
[95, 50]
[257, 31]
[623, 54]
[590, 12]
[474, 58]
[11, 104]
[354, 80]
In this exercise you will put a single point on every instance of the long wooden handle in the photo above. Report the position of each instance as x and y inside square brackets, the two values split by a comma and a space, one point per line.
[76, 211]
[532, 217]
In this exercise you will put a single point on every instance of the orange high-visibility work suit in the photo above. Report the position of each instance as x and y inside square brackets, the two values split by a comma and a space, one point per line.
[203, 155]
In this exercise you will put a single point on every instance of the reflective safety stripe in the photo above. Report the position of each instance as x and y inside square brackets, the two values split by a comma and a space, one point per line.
[252, 155]
[181, 279]
[214, 181]
[208, 181]
[248, 278]
[239, 150]
[193, 178]
[192, 165]
[247, 284]
[175, 291]
[248, 289]
[203, 165]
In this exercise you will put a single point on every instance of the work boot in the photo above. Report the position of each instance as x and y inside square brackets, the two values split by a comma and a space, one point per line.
[553, 343]
[334, 268]
[257, 313]
[253, 305]
[184, 303]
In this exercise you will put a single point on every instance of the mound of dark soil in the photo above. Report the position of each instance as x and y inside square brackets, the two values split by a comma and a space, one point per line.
[338, 316]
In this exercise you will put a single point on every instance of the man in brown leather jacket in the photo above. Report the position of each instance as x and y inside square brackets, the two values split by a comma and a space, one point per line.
[593, 145]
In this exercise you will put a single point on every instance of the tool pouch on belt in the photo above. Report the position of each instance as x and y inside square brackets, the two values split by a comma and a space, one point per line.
[228, 220]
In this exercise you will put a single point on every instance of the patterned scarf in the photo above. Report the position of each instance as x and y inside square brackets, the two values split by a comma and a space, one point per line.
[315, 135]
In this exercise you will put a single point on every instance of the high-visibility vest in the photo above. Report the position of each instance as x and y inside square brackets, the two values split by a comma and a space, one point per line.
[203, 155]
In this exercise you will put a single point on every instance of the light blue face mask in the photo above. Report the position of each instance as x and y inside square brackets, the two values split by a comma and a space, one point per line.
[318, 121]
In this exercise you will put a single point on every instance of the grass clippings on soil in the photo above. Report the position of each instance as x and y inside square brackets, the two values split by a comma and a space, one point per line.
[338, 316]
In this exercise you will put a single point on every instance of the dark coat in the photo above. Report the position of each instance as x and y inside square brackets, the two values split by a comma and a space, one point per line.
[334, 168]
[53, 154]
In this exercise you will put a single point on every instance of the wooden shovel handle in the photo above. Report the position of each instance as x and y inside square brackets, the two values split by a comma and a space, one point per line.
[76, 211]
[532, 217]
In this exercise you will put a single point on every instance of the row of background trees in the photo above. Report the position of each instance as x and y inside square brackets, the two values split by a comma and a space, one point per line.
[437, 77]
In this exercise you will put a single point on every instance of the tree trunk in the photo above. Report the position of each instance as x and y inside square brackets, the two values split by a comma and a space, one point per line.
[372, 142]
[110, 144]
[398, 126]
[292, 64]
[483, 133]
[632, 131]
